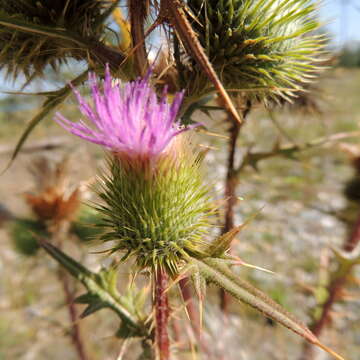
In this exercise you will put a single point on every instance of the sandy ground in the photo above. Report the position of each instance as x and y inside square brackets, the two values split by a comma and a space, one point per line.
[288, 236]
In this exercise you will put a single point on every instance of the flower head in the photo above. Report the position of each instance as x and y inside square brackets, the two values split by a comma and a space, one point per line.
[128, 119]
[266, 48]
[30, 52]
[155, 206]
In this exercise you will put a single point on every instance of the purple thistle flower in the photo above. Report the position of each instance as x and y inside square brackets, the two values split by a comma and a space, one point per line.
[127, 119]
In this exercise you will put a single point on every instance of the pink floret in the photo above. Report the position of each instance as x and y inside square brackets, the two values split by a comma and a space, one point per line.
[126, 119]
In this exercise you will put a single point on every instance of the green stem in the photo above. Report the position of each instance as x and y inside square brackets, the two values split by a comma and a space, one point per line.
[60, 231]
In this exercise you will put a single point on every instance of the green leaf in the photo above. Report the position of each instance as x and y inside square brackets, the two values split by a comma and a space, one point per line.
[54, 99]
[191, 105]
[98, 305]
[27, 27]
[199, 283]
[87, 225]
[102, 292]
[24, 234]
[218, 272]
[223, 242]
[345, 260]
[85, 298]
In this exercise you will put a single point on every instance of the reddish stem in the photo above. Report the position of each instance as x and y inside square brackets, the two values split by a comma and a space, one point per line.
[354, 238]
[59, 231]
[138, 11]
[231, 179]
[161, 304]
[230, 196]
[190, 306]
[75, 327]
[334, 289]
[193, 313]
[231, 183]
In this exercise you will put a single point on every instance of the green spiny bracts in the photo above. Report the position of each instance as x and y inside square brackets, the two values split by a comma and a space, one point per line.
[36, 33]
[265, 47]
[156, 206]
[25, 234]
[159, 214]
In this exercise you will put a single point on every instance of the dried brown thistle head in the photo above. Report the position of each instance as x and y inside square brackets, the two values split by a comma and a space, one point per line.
[55, 199]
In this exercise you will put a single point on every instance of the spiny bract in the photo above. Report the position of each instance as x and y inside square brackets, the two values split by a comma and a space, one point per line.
[160, 217]
[266, 47]
[156, 206]
[30, 52]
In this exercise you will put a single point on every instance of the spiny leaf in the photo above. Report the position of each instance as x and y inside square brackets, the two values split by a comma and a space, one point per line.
[175, 11]
[256, 44]
[93, 307]
[223, 242]
[218, 272]
[199, 283]
[345, 261]
[32, 28]
[156, 220]
[101, 290]
[38, 33]
[290, 151]
[24, 234]
[54, 99]
[85, 298]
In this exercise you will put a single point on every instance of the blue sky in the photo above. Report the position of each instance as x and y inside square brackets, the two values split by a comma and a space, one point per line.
[343, 17]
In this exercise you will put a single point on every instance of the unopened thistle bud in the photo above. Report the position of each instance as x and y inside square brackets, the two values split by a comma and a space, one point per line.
[37, 33]
[156, 207]
[265, 47]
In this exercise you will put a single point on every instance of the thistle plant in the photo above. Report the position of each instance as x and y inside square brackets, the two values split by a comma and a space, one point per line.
[155, 204]
[263, 48]
[332, 286]
[35, 34]
[155, 207]
[261, 51]
[54, 204]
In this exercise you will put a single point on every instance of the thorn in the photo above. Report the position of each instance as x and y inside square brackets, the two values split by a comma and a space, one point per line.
[181, 276]
[238, 261]
[329, 351]
[206, 132]
[201, 312]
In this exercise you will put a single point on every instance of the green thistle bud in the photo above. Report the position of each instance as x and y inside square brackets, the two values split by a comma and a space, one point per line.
[265, 47]
[157, 214]
[28, 31]
[86, 226]
[25, 234]
[156, 207]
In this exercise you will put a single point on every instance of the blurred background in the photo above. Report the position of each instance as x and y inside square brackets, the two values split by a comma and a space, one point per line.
[300, 178]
